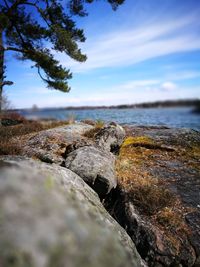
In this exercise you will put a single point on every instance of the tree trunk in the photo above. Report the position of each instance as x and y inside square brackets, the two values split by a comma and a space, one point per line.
[1, 70]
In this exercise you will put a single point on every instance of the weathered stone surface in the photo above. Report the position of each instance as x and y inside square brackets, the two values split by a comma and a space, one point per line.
[193, 219]
[50, 145]
[110, 137]
[50, 217]
[95, 166]
[168, 235]
[182, 137]
[154, 245]
[90, 159]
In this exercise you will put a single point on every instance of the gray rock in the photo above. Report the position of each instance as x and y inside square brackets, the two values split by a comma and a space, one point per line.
[162, 239]
[95, 166]
[110, 137]
[153, 244]
[49, 217]
[49, 145]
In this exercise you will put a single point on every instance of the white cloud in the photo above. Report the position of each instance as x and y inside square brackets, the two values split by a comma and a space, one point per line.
[125, 93]
[130, 46]
[184, 75]
[168, 86]
[138, 84]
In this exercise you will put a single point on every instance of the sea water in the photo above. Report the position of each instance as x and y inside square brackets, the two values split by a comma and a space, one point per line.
[180, 117]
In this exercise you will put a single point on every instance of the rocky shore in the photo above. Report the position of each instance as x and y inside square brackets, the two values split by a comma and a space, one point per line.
[102, 195]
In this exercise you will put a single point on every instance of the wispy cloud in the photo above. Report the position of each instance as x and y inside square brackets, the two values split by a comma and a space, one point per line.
[135, 84]
[184, 75]
[130, 46]
[168, 86]
[129, 92]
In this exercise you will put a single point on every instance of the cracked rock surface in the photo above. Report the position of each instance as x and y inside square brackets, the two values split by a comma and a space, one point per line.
[49, 145]
[94, 166]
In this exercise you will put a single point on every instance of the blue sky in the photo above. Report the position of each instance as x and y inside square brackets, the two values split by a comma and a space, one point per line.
[145, 51]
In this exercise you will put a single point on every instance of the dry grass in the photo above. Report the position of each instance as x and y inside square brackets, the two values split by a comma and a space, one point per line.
[71, 118]
[10, 135]
[7, 132]
[9, 148]
[99, 124]
[150, 198]
[172, 219]
[97, 127]
[145, 191]
[12, 117]
[149, 194]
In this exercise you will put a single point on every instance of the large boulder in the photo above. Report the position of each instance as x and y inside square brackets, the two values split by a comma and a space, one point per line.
[95, 166]
[90, 158]
[110, 137]
[50, 145]
[50, 217]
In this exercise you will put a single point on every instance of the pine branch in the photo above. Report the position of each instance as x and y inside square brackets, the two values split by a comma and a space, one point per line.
[39, 11]
[13, 7]
[10, 48]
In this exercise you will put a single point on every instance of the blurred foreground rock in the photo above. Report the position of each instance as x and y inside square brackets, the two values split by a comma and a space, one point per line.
[50, 217]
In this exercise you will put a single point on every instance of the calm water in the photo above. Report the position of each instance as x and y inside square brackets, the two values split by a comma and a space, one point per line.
[172, 117]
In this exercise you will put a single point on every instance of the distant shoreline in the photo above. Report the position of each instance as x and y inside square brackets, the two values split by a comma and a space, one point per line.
[156, 104]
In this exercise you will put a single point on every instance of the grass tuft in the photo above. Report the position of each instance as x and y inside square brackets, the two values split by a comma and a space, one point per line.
[148, 193]
[144, 190]
[150, 198]
[97, 127]
[172, 220]
[10, 135]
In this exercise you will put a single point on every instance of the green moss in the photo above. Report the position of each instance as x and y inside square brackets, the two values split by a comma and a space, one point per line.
[137, 141]
[49, 183]
[97, 127]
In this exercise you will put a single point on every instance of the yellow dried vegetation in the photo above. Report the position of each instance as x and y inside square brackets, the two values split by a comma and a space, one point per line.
[144, 190]
[171, 218]
[11, 136]
[147, 192]
[97, 127]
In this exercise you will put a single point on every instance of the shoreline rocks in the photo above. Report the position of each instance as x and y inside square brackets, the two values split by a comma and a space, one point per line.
[89, 158]
[149, 184]
[49, 145]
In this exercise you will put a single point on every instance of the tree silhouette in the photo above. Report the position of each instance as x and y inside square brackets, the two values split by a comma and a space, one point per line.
[27, 26]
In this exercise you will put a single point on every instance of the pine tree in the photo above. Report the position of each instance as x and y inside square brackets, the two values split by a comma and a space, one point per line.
[27, 26]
